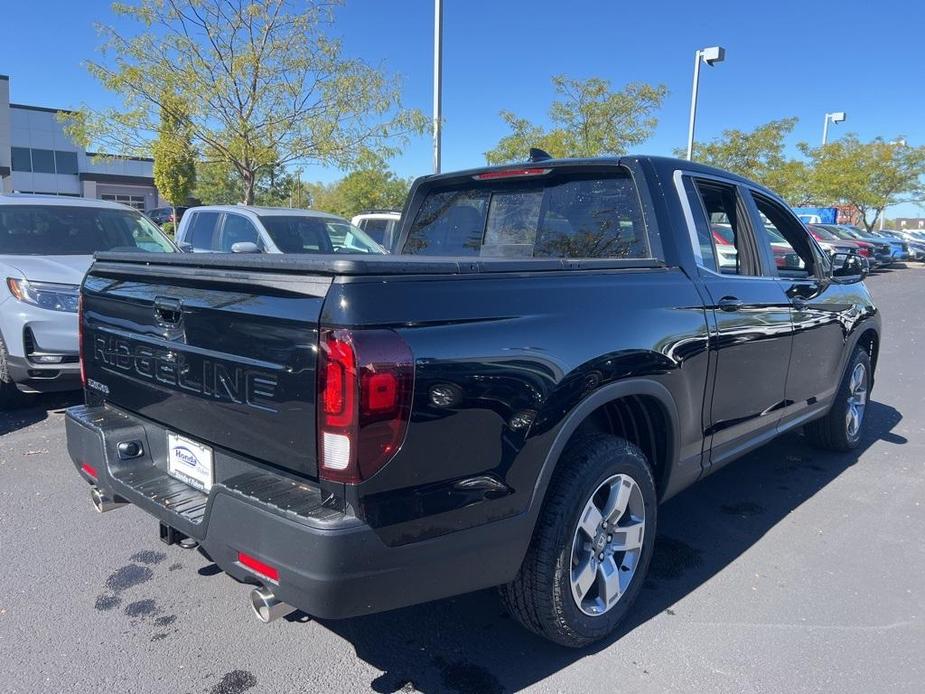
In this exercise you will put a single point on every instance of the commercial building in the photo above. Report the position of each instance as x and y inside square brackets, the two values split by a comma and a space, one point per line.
[910, 223]
[37, 156]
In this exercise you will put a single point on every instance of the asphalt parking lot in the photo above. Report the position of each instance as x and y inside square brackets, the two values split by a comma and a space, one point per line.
[790, 570]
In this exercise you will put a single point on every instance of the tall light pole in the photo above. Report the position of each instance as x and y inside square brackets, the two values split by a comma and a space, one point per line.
[837, 117]
[438, 87]
[711, 56]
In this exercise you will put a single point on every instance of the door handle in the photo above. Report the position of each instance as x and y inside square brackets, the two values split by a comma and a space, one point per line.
[731, 303]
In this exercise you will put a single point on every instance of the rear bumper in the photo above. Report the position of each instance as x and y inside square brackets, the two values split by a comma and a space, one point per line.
[330, 563]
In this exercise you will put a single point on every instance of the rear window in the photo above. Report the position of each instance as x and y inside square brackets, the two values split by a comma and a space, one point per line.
[62, 230]
[589, 217]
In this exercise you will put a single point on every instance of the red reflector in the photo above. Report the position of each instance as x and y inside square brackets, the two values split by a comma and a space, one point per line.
[89, 469]
[380, 392]
[258, 566]
[510, 173]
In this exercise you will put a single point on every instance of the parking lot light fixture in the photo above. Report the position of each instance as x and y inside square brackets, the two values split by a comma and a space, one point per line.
[711, 56]
[837, 117]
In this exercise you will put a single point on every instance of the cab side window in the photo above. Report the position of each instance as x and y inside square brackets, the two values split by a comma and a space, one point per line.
[787, 239]
[723, 222]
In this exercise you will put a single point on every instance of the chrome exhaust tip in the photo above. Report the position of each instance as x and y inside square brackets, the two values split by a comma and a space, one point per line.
[267, 607]
[103, 503]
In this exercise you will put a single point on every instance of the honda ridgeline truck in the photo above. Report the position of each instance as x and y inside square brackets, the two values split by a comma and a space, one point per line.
[550, 352]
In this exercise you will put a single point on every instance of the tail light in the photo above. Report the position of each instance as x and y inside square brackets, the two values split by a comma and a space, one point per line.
[863, 250]
[365, 381]
[80, 339]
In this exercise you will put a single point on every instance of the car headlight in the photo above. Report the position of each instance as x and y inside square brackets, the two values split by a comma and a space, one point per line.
[47, 295]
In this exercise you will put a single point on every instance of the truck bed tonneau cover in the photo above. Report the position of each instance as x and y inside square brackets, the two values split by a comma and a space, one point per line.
[372, 265]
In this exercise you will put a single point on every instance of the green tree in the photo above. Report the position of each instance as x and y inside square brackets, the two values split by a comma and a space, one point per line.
[174, 157]
[589, 119]
[871, 176]
[263, 83]
[367, 189]
[759, 155]
[217, 183]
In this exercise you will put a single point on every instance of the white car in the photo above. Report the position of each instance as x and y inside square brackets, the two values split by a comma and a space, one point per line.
[47, 243]
[382, 226]
[249, 229]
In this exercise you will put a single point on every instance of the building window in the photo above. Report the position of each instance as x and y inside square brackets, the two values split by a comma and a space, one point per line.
[21, 159]
[136, 201]
[66, 162]
[43, 161]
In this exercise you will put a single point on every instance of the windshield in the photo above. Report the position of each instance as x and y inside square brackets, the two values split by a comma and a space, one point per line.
[302, 234]
[63, 230]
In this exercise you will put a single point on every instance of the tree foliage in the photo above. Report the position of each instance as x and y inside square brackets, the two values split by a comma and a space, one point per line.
[868, 175]
[759, 155]
[217, 183]
[263, 84]
[747, 153]
[174, 157]
[366, 189]
[588, 118]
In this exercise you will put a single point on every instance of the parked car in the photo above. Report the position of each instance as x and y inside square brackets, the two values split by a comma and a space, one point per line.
[724, 245]
[163, 215]
[551, 351]
[915, 241]
[898, 247]
[381, 226]
[46, 246]
[832, 244]
[881, 249]
[246, 229]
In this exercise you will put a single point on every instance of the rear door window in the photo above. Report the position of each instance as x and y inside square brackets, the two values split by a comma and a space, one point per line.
[201, 231]
[375, 229]
[579, 217]
[722, 221]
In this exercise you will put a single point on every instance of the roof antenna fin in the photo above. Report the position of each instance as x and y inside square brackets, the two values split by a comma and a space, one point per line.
[537, 154]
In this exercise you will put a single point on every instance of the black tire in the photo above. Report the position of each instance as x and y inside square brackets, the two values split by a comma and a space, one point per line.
[540, 597]
[832, 431]
[9, 393]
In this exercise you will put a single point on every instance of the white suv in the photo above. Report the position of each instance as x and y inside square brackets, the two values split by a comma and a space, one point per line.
[380, 225]
[247, 229]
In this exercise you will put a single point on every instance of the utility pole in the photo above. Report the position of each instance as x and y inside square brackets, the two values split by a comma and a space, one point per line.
[438, 78]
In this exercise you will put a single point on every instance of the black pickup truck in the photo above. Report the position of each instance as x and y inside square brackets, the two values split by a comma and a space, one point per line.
[550, 351]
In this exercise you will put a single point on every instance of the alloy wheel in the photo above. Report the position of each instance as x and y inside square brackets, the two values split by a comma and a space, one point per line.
[607, 545]
[857, 400]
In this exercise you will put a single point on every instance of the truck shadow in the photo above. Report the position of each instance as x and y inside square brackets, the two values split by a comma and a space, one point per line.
[469, 644]
[35, 408]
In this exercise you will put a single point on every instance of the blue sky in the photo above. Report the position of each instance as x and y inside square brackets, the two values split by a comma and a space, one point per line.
[782, 59]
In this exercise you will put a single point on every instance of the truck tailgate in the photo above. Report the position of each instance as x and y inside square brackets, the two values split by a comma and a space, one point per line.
[227, 358]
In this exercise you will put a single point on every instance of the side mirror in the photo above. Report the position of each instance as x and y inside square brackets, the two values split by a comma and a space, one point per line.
[185, 246]
[847, 268]
[245, 247]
